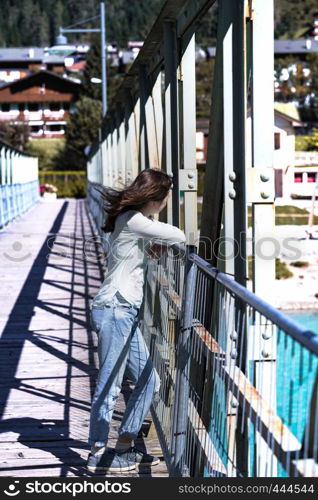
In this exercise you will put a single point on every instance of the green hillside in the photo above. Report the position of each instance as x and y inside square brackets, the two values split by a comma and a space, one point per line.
[36, 22]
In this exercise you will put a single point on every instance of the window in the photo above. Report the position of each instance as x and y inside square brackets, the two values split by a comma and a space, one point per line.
[33, 106]
[5, 107]
[298, 177]
[311, 177]
[21, 107]
[55, 128]
[277, 140]
[55, 106]
[66, 106]
[35, 128]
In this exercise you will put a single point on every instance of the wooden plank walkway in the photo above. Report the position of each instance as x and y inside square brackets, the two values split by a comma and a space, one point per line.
[48, 354]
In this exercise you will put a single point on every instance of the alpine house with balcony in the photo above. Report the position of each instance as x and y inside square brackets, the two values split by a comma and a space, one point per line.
[43, 100]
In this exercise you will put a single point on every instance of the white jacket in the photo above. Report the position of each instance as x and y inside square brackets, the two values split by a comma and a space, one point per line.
[127, 257]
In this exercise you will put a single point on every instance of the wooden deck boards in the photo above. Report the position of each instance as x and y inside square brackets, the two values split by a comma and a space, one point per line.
[47, 352]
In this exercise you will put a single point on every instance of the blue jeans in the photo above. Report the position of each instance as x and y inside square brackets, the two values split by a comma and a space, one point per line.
[121, 351]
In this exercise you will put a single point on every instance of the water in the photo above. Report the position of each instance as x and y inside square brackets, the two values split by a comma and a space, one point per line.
[305, 318]
[296, 372]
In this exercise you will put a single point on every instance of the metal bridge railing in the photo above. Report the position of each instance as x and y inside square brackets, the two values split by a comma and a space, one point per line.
[95, 204]
[239, 380]
[19, 184]
[212, 341]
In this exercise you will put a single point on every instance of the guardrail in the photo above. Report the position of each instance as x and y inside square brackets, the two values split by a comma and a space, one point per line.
[19, 184]
[238, 392]
[212, 342]
[229, 363]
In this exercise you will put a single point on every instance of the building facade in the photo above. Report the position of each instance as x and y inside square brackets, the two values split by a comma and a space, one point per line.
[43, 100]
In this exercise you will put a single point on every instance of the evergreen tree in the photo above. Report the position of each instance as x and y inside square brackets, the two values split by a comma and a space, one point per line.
[311, 112]
[16, 135]
[21, 24]
[92, 70]
[26, 20]
[82, 129]
[204, 79]
[44, 30]
[57, 21]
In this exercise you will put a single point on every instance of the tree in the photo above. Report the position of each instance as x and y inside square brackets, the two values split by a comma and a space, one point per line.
[204, 79]
[301, 86]
[16, 135]
[81, 131]
[57, 21]
[82, 127]
[311, 112]
[92, 70]
[207, 28]
[127, 20]
[312, 140]
[293, 18]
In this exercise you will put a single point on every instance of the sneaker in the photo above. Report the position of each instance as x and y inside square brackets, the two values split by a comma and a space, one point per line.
[109, 461]
[139, 457]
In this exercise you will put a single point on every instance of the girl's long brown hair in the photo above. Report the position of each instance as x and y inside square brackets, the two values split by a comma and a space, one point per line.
[150, 185]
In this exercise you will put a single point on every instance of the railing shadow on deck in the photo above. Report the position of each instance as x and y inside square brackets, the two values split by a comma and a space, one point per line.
[18, 325]
[44, 433]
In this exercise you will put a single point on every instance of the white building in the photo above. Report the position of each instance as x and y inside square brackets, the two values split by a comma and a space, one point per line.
[286, 119]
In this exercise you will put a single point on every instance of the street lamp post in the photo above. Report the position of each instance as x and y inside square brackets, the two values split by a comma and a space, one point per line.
[102, 31]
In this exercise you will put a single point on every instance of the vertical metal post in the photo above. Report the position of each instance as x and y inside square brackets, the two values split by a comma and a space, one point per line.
[263, 219]
[214, 171]
[2, 211]
[120, 127]
[1, 166]
[143, 139]
[263, 211]
[158, 118]
[99, 161]
[110, 166]
[8, 166]
[114, 150]
[152, 139]
[128, 139]
[181, 401]
[172, 119]
[14, 170]
[102, 176]
[188, 132]
[103, 56]
[135, 124]
[226, 261]
[239, 64]
[213, 196]
[101, 157]
[239, 120]
[15, 178]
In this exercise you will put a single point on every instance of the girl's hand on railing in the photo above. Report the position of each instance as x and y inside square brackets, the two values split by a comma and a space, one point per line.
[155, 251]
